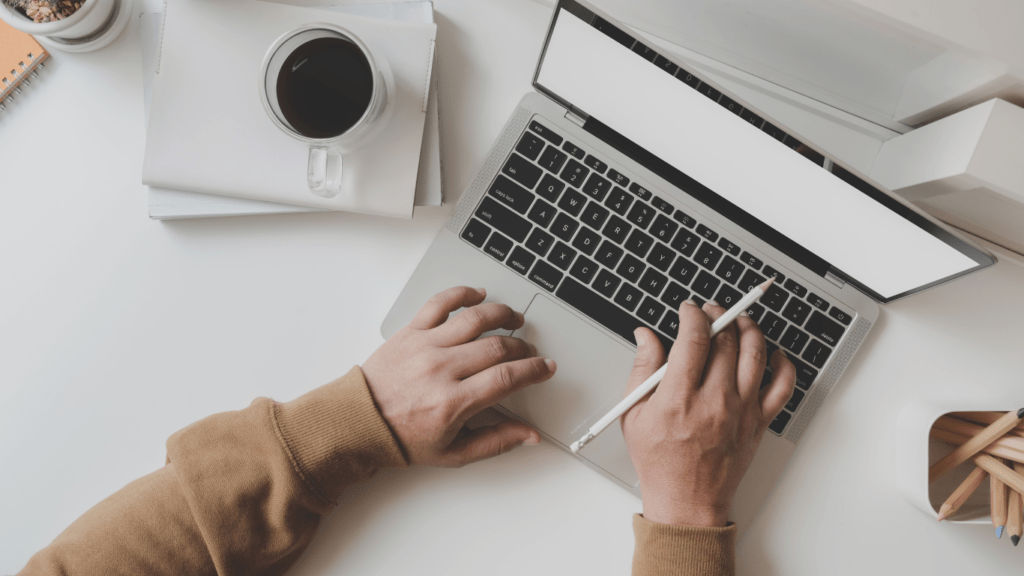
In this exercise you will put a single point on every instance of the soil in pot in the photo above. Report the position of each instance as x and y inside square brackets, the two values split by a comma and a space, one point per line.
[41, 11]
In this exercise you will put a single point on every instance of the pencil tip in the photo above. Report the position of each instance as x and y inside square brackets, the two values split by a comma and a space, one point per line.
[764, 286]
[999, 531]
[1015, 539]
[942, 517]
[1020, 413]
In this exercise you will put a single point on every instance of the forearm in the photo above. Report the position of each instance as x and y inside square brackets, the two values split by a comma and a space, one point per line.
[663, 549]
[242, 493]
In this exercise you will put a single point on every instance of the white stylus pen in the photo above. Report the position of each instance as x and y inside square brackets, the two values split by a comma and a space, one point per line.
[649, 384]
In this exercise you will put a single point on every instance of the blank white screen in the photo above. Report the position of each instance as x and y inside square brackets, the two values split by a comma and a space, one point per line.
[747, 167]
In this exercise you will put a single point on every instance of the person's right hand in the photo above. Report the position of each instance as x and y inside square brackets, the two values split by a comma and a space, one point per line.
[434, 374]
[693, 437]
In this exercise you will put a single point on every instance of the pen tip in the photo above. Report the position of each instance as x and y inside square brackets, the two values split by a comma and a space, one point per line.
[941, 517]
[1020, 413]
[1015, 539]
[764, 286]
[999, 531]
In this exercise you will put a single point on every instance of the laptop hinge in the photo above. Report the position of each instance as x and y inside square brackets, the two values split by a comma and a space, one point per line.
[833, 278]
[577, 117]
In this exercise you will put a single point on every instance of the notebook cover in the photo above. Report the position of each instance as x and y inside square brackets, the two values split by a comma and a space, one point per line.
[16, 48]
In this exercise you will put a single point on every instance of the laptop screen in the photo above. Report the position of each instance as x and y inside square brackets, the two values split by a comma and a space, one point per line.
[742, 166]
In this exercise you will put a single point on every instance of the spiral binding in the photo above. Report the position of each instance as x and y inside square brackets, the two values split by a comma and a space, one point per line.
[13, 80]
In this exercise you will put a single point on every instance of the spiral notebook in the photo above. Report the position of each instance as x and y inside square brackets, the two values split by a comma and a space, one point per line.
[20, 55]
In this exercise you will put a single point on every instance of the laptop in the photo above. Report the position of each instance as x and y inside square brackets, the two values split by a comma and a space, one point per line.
[626, 184]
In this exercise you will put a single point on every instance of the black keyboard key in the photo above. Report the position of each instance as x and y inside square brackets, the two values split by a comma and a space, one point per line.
[708, 256]
[674, 296]
[772, 326]
[561, 256]
[774, 297]
[773, 131]
[663, 228]
[498, 246]
[600, 310]
[564, 227]
[594, 164]
[640, 191]
[805, 375]
[706, 232]
[653, 282]
[795, 400]
[619, 201]
[574, 173]
[751, 118]
[816, 353]
[705, 285]
[520, 170]
[640, 215]
[628, 297]
[751, 260]
[503, 219]
[796, 311]
[597, 187]
[584, 269]
[670, 324]
[476, 232]
[639, 243]
[650, 311]
[779, 276]
[684, 219]
[730, 104]
[609, 254]
[666, 64]
[727, 296]
[690, 80]
[710, 92]
[572, 202]
[586, 241]
[779, 424]
[817, 301]
[606, 283]
[685, 243]
[550, 188]
[795, 288]
[540, 241]
[520, 260]
[511, 194]
[545, 275]
[631, 268]
[573, 150]
[840, 315]
[661, 257]
[683, 271]
[552, 159]
[530, 145]
[728, 246]
[749, 280]
[546, 133]
[794, 339]
[697, 300]
[755, 311]
[645, 51]
[616, 229]
[729, 270]
[542, 213]
[616, 177]
[662, 204]
[821, 327]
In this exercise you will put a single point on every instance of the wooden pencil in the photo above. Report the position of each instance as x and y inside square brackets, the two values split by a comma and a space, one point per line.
[986, 418]
[970, 429]
[998, 495]
[975, 444]
[1015, 512]
[998, 469]
[996, 448]
[962, 493]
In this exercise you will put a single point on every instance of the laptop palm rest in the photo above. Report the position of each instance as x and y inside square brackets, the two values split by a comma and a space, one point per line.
[592, 372]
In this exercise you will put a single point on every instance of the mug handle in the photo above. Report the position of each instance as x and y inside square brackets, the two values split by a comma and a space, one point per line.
[323, 173]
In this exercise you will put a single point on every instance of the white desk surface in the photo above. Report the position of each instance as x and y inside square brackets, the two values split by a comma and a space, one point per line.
[115, 331]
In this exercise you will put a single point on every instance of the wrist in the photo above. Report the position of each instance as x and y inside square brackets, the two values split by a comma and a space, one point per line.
[687, 515]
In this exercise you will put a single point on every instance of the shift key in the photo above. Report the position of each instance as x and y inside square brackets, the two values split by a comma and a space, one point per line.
[503, 219]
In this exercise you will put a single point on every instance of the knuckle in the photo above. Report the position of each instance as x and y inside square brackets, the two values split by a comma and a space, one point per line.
[500, 347]
[505, 377]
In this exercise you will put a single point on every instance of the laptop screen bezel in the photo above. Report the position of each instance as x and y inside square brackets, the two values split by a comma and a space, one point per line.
[804, 256]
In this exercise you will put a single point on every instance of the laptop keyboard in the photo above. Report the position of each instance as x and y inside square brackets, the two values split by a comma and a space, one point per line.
[609, 247]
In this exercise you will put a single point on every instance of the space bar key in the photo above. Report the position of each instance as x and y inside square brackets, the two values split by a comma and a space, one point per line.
[597, 308]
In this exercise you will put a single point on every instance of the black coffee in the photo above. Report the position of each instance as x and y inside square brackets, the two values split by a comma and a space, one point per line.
[324, 87]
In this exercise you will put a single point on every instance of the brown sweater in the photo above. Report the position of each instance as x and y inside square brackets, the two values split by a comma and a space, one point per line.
[244, 492]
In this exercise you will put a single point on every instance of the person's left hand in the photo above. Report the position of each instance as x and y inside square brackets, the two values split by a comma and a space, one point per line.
[434, 375]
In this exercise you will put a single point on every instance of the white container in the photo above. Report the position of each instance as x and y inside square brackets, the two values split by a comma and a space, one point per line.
[96, 24]
[916, 452]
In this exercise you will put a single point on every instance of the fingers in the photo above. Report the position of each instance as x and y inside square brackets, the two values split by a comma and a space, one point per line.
[437, 309]
[690, 352]
[650, 356]
[476, 356]
[778, 392]
[490, 441]
[469, 324]
[752, 357]
[497, 382]
[722, 360]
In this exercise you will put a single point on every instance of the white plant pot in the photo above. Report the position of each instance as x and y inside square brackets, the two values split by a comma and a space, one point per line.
[96, 24]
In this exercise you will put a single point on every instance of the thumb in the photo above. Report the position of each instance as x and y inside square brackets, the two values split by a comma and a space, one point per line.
[650, 356]
[490, 441]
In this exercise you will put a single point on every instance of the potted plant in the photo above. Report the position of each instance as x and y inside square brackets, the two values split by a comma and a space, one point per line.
[69, 25]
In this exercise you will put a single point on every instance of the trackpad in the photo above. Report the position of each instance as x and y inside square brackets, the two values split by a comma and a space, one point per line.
[591, 378]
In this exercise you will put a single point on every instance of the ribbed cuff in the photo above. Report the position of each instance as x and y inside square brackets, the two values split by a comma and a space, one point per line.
[683, 550]
[335, 436]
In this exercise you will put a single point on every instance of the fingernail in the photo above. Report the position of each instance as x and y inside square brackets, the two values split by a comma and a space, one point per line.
[690, 302]
[713, 303]
[482, 291]
[532, 441]
[784, 355]
[744, 314]
[550, 364]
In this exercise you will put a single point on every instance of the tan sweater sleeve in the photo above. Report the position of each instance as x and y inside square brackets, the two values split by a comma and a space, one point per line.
[663, 549]
[242, 492]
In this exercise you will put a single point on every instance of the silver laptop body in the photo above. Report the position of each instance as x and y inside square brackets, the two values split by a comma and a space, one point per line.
[594, 361]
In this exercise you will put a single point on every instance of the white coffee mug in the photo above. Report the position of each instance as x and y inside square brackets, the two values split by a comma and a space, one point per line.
[324, 169]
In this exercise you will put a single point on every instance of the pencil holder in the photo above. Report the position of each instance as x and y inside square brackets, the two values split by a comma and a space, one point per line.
[916, 452]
